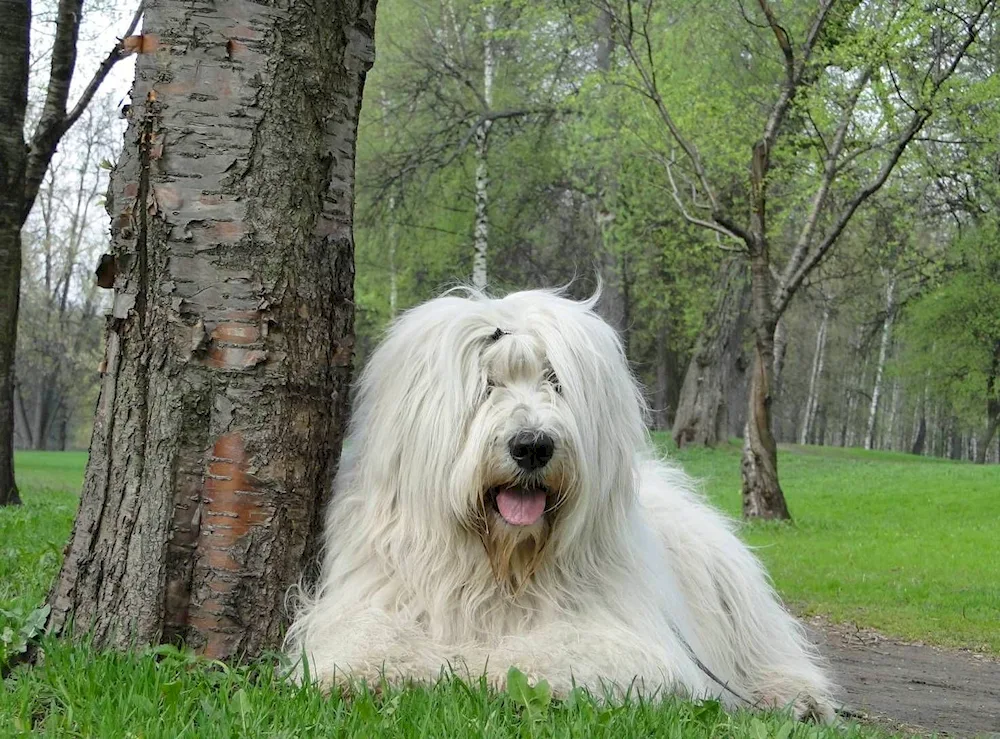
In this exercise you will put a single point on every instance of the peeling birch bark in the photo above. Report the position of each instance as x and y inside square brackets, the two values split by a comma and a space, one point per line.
[229, 347]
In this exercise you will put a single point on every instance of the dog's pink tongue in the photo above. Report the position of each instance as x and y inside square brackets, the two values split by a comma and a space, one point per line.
[520, 508]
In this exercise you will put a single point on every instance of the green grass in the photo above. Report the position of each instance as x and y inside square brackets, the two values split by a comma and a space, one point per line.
[899, 543]
[903, 544]
[78, 693]
[32, 536]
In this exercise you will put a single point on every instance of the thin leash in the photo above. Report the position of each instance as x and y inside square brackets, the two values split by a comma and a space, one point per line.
[841, 710]
[705, 669]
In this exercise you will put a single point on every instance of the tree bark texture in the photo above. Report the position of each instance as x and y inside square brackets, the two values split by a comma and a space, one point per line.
[762, 493]
[228, 350]
[716, 374]
[14, 30]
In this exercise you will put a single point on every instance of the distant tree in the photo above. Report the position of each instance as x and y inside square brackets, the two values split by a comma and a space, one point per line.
[851, 97]
[573, 187]
[459, 83]
[22, 168]
[952, 334]
[59, 336]
[229, 344]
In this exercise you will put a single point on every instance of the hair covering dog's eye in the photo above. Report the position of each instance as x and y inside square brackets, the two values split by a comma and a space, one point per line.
[553, 379]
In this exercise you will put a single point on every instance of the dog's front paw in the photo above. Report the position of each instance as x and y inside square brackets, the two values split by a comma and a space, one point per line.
[350, 684]
[812, 709]
[803, 706]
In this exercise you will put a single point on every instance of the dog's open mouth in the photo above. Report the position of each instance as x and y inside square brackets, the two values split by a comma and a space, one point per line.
[519, 505]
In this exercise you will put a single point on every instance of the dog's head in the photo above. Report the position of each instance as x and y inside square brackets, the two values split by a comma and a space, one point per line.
[513, 420]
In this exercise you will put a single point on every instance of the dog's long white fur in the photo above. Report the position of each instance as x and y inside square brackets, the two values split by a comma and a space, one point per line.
[639, 583]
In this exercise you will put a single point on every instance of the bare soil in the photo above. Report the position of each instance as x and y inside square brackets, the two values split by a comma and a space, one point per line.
[912, 688]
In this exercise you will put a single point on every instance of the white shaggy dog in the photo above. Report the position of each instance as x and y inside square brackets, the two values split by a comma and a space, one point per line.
[499, 504]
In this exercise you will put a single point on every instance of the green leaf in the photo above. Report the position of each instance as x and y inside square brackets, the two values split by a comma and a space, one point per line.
[171, 692]
[785, 730]
[35, 623]
[535, 701]
[365, 708]
[242, 703]
[707, 712]
[517, 687]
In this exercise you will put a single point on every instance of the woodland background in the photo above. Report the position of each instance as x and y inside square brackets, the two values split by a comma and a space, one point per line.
[523, 132]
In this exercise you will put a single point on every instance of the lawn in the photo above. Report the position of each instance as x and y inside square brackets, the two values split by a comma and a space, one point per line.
[903, 544]
[899, 543]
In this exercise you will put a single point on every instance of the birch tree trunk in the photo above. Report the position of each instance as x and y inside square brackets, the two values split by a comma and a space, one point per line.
[883, 349]
[614, 305]
[780, 348]
[814, 411]
[228, 357]
[482, 227]
[812, 399]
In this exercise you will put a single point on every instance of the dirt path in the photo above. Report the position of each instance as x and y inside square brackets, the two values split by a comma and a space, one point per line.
[913, 687]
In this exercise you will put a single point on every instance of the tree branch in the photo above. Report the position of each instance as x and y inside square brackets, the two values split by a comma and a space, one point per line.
[499, 115]
[652, 92]
[830, 170]
[735, 233]
[816, 255]
[55, 121]
[784, 43]
[793, 71]
[812, 257]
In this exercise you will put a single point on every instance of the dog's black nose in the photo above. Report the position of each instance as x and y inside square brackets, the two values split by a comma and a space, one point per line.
[531, 450]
